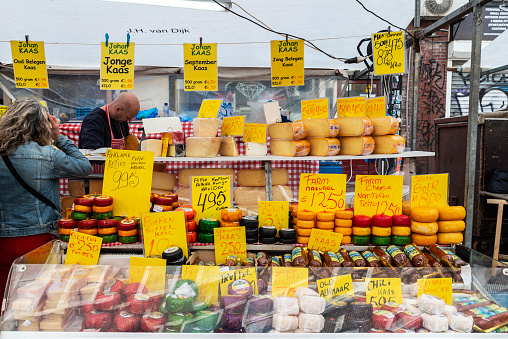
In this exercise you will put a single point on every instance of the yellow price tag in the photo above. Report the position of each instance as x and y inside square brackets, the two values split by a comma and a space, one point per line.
[351, 107]
[150, 272]
[210, 195]
[329, 288]
[285, 280]
[378, 194]
[229, 241]
[165, 145]
[375, 107]
[207, 279]
[322, 240]
[429, 190]
[2, 109]
[389, 53]
[209, 108]
[29, 63]
[200, 67]
[322, 192]
[273, 213]
[383, 290]
[229, 277]
[117, 66]
[163, 230]
[254, 133]
[315, 109]
[440, 287]
[232, 126]
[287, 62]
[128, 179]
[83, 249]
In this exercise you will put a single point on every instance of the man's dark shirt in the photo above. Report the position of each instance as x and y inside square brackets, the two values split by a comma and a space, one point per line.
[95, 131]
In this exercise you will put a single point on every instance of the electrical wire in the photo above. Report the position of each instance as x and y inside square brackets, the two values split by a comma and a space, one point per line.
[351, 170]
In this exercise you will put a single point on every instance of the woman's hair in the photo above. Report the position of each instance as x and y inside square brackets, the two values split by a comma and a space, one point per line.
[26, 119]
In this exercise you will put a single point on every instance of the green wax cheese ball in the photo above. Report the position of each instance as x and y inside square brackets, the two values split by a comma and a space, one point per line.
[205, 237]
[108, 238]
[128, 240]
[382, 241]
[79, 215]
[400, 240]
[103, 216]
[361, 239]
[208, 224]
[65, 237]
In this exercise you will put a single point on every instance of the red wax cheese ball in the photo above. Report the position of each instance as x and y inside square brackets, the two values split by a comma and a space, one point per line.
[67, 223]
[192, 236]
[107, 301]
[134, 288]
[401, 220]
[103, 200]
[362, 221]
[116, 286]
[98, 321]
[189, 212]
[157, 301]
[127, 224]
[86, 308]
[382, 220]
[172, 196]
[83, 201]
[126, 322]
[88, 223]
[139, 303]
[165, 201]
[191, 225]
[107, 223]
[153, 322]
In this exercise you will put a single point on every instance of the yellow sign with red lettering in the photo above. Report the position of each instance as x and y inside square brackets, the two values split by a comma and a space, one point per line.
[229, 241]
[209, 108]
[117, 66]
[439, 287]
[315, 109]
[200, 67]
[322, 240]
[29, 63]
[285, 280]
[83, 249]
[232, 126]
[287, 62]
[429, 190]
[273, 213]
[150, 272]
[378, 194]
[322, 192]
[163, 230]
[375, 107]
[351, 107]
[254, 133]
[383, 290]
[207, 279]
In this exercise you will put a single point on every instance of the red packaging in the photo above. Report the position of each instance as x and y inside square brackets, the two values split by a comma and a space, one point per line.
[153, 322]
[408, 320]
[392, 307]
[139, 303]
[383, 320]
[107, 301]
[178, 138]
[134, 288]
[98, 321]
[126, 322]
[382, 220]
[190, 225]
[116, 286]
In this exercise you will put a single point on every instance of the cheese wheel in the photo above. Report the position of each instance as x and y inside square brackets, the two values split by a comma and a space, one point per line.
[228, 147]
[185, 174]
[381, 231]
[295, 220]
[163, 181]
[290, 148]
[108, 230]
[305, 215]
[425, 228]
[229, 223]
[302, 240]
[89, 231]
[402, 231]
[451, 226]
[256, 177]
[343, 222]
[356, 145]
[311, 321]
[304, 232]
[325, 216]
[305, 223]
[424, 214]
[102, 209]
[406, 208]
[321, 128]
[196, 147]
[287, 131]
[423, 240]
[82, 208]
[343, 230]
[163, 208]
[129, 233]
[231, 214]
[325, 224]
[205, 128]
[361, 230]
[323, 147]
[385, 125]
[65, 231]
[450, 238]
[389, 144]
[344, 214]
[256, 149]
[250, 196]
[346, 239]
[354, 126]
[152, 145]
[452, 213]
[284, 323]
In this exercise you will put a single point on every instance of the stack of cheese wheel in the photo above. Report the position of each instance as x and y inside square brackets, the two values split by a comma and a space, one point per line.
[294, 215]
[401, 230]
[162, 203]
[344, 224]
[88, 226]
[65, 227]
[173, 196]
[304, 225]
[190, 223]
[108, 230]
[406, 208]
[286, 139]
[128, 231]
[82, 208]
[204, 143]
[424, 226]
[321, 135]
[384, 136]
[451, 225]
[325, 221]
[230, 217]
[102, 207]
[361, 229]
[206, 226]
[381, 229]
[354, 136]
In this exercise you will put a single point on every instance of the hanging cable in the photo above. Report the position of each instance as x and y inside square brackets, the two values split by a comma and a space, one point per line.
[351, 170]
[380, 18]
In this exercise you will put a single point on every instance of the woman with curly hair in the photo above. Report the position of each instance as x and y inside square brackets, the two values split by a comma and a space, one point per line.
[27, 136]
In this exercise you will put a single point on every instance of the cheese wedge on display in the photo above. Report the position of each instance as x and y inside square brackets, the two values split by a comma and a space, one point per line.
[356, 145]
[196, 147]
[185, 174]
[163, 181]
[206, 128]
[385, 125]
[321, 128]
[255, 149]
[152, 145]
[256, 178]
[287, 131]
[228, 147]
[290, 148]
[354, 126]
[389, 144]
[324, 146]
[252, 195]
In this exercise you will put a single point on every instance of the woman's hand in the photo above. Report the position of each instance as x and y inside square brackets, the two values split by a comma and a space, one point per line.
[55, 126]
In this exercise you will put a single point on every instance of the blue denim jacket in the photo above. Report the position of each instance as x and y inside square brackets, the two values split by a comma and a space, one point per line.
[23, 214]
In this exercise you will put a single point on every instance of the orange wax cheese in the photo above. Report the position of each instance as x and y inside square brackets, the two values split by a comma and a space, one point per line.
[325, 224]
[451, 213]
[425, 228]
[344, 214]
[450, 238]
[385, 125]
[354, 126]
[451, 226]
[389, 144]
[324, 147]
[423, 240]
[287, 131]
[362, 230]
[325, 216]
[343, 222]
[305, 215]
[346, 239]
[289, 148]
[381, 231]
[343, 230]
[305, 223]
[321, 128]
[402, 231]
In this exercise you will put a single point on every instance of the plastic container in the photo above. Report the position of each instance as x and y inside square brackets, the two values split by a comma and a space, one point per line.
[165, 110]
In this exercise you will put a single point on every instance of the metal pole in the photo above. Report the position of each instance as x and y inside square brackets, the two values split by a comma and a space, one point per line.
[472, 125]
[407, 103]
[268, 178]
[416, 60]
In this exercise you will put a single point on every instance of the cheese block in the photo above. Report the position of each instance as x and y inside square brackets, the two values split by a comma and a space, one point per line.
[205, 128]
[27, 325]
[389, 144]
[228, 147]
[152, 145]
[256, 177]
[354, 126]
[321, 128]
[197, 147]
[356, 145]
[385, 125]
[186, 173]
[252, 195]
[282, 322]
[452, 213]
[255, 149]
[285, 305]
[311, 322]
[323, 147]
[287, 131]
[163, 181]
[290, 148]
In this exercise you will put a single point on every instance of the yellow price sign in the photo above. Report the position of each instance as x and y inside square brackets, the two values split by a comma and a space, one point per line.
[315, 109]
[329, 288]
[389, 53]
[29, 63]
[429, 190]
[351, 107]
[287, 62]
[285, 280]
[440, 287]
[2, 109]
[229, 277]
[383, 290]
[163, 230]
[232, 126]
[273, 213]
[207, 279]
[322, 192]
[117, 66]
[150, 272]
[375, 107]
[378, 194]
[210, 195]
[200, 67]
[254, 133]
[128, 179]
[229, 241]
[209, 108]
[322, 240]
[83, 249]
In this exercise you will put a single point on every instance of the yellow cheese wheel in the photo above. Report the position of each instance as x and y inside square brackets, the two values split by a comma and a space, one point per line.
[406, 208]
[89, 231]
[295, 220]
[361, 230]
[402, 231]
[452, 213]
[296, 228]
[450, 238]
[165, 208]
[305, 223]
[325, 216]
[229, 223]
[343, 230]
[451, 226]
[346, 239]
[304, 232]
[231, 214]
[381, 231]
[65, 231]
[84, 209]
[424, 214]
[343, 222]
[302, 240]
[294, 213]
[305, 215]
[325, 225]
[107, 230]
[344, 214]
[129, 233]
[423, 240]
[425, 228]
[102, 209]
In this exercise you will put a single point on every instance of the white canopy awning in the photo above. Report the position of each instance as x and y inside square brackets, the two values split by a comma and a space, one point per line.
[493, 55]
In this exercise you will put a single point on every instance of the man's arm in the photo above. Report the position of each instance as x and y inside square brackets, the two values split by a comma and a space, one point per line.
[92, 135]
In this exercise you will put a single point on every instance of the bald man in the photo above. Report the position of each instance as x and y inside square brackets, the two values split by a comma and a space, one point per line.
[107, 126]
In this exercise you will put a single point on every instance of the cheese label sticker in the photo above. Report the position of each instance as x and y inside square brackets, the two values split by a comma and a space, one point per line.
[330, 288]
[162, 231]
[375, 107]
[315, 109]
[232, 126]
[429, 190]
[210, 195]
[231, 281]
[255, 133]
[29, 62]
[83, 249]
[165, 145]
[324, 240]
[117, 66]
[389, 53]
[440, 287]
[378, 194]
[383, 290]
[287, 62]
[150, 272]
[273, 213]
[200, 67]
[207, 279]
[209, 108]
[322, 192]
[229, 241]
[351, 107]
[285, 280]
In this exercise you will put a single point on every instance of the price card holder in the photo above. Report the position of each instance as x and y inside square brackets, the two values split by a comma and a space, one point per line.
[322, 192]
[285, 280]
[429, 190]
[273, 213]
[315, 109]
[228, 277]
[383, 290]
[207, 278]
[232, 126]
[351, 107]
[440, 287]
[210, 195]
[333, 287]
[162, 231]
[200, 67]
[389, 53]
[375, 107]
[209, 108]
[229, 241]
[287, 62]
[323, 241]
[83, 249]
[255, 133]
[378, 194]
[29, 63]
[117, 66]
[150, 272]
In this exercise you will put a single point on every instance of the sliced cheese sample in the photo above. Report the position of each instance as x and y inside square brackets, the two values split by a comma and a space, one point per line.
[256, 178]
[321, 128]
[287, 131]
[389, 144]
[252, 195]
[356, 145]
[228, 147]
[290, 148]
[163, 181]
[152, 145]
[354, 126]
[255, 149]
[324, 146]
[205, 128]
[197, 147]
[186, 173]
[385, 125]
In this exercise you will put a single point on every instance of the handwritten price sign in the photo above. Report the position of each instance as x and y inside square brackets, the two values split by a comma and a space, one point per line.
[117, 66]
[273, 213]
[128, 179]
[255, 133]
[210, 195]
[375, 107]
[29, 63]
[228, 277]
[315, 109]
[351, 107]
[232, 126]
[429, 190]
[207, 278]
[285, 280]
[441, 288]
[229, 241]
[389, 53]
[329, 288]
[200, 67]
[150, 272]
[322, 192]
[2, 109]
[209, 108]
[378, 194]
[324, 240]
[162, 231]
[287, 62]
[383, 290]
[83, 249]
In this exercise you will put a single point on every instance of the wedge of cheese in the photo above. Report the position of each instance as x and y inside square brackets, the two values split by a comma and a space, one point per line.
[252, 195]
[321, 128]
[185, 174]
[356, 145]
[205, 128]
[354, 126]
[256, 177]
[163, 181]
[287, 131]
[385, 125]
[255, 149]
[290, 148]
[152, 145]
[198, 147]
[389, 144]
[324, 146]
[228, 147]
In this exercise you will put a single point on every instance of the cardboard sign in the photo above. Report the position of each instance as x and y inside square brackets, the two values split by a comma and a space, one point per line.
[287, 62]
[273, 213]
[389, 53]
[229, 241]
[227, 277]
[210, 195]
[383, 290]
[315, 109]
[375, 107]
[83, 249]
[200, 67]
[322, 192]
[117, 66]
[285, 280]
[440, 287]
[149, 272]
[2, 109]
[128, 179]
[209, 108]
[329, 288]
[255, 133]
[207, 278]
[29, 63]
[272, 112]
[162, 231]
[351, 107]
[322, 240]
[429, 190]
[232, 126]
[378, 194]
